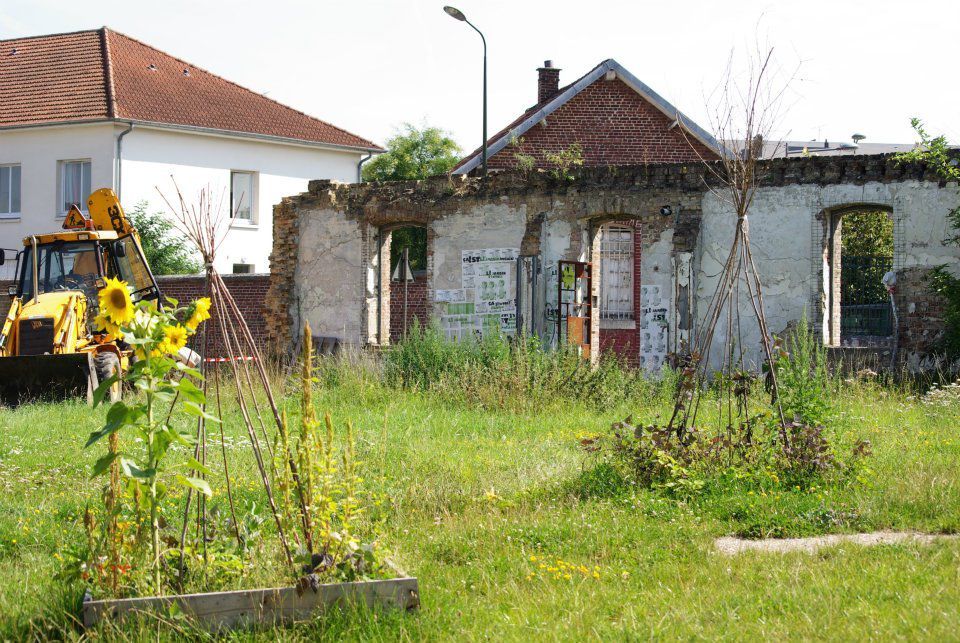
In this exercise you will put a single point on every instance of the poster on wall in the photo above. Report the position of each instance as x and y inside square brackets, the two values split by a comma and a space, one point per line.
[486, 302]
[653, 328]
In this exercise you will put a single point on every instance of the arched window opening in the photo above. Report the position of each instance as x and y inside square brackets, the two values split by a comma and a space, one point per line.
[863, 253]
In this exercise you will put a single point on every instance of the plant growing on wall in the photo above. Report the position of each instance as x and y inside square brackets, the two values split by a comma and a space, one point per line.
[157, 336]
[564, 161]
[935, 151]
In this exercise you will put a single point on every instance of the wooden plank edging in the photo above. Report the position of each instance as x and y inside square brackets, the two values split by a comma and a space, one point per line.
[262, 606]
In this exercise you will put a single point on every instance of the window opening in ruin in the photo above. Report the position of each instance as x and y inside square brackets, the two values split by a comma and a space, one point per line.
[616, 273]
[866, 251]
[407, 305]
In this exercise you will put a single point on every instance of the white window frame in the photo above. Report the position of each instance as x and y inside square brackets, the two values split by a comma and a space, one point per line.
[617, 278]
[61, 184]
[252, 198]
[243, 272]
[13, 214]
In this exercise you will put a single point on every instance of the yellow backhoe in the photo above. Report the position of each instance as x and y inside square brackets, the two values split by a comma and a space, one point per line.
[50, 345]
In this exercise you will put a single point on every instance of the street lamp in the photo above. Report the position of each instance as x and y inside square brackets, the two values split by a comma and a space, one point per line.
[453, 12]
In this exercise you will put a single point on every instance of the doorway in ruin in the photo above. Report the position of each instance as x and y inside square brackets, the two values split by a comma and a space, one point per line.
[862, 259]
[404, 301]
[617, 265]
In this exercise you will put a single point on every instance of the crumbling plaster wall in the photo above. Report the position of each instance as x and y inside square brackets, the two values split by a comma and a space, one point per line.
[325, 265]
[789, 237]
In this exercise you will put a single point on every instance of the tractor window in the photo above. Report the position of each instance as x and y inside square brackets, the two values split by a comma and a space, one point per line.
[60, 266]
[133, 269]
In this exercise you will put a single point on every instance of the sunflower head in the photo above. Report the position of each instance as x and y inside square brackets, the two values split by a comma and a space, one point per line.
[199, 314]
[115, 302]
[174, 338]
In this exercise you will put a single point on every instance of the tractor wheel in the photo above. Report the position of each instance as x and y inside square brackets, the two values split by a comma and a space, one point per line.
[108, 365]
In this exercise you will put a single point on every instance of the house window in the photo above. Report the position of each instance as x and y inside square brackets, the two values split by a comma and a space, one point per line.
[243, 268]
[616, 274]
[9, 191]
[74, 185]
[241, 196]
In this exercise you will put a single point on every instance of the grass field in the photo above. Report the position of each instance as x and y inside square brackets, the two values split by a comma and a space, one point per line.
[477, 498]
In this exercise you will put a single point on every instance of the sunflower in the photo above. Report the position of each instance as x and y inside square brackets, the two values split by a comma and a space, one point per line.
[102, 322]
[201, 313]
[174, 338]
[115, 302]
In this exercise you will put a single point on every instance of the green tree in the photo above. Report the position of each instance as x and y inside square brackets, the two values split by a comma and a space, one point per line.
[867, 254]
[166, 251]
[936, 153]
[414, 153]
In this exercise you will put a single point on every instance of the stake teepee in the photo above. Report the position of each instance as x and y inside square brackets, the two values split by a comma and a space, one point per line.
[203, 224]
[748, 110]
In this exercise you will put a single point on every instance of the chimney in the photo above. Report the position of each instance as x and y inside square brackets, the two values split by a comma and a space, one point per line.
[548, 81]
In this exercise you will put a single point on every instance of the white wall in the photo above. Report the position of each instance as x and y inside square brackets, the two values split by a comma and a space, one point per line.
[38, 150]
[152, 156]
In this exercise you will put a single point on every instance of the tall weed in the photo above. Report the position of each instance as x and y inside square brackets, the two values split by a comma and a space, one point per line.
[803, 379]
[500, 372]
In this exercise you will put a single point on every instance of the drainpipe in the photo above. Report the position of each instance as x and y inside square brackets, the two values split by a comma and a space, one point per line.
[360, 166]
[119, 156]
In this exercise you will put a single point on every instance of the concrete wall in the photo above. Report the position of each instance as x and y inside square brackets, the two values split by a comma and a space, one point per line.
[326, 262]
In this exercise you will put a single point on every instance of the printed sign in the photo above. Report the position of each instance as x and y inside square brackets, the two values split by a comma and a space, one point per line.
[653, 328]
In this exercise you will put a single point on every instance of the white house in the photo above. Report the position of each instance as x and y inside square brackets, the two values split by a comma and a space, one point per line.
[91, 109]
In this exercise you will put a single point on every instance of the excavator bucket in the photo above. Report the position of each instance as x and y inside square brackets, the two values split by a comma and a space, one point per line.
[46, 377]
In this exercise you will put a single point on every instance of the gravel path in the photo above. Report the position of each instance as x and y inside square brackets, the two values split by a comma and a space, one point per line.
[730, 546]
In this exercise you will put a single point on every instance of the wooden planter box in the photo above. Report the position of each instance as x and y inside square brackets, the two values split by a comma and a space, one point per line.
[282, 605]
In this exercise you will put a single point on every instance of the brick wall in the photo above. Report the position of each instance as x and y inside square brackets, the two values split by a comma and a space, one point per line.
[613, 124]
[249, 292]
[920, 312]
[418, 305]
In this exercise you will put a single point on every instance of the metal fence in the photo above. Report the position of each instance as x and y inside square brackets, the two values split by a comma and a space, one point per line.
[864, 302]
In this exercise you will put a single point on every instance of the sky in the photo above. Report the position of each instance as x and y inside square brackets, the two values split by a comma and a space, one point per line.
[369, 66]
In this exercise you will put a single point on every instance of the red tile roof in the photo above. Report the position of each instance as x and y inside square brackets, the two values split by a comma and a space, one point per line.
[100, 75]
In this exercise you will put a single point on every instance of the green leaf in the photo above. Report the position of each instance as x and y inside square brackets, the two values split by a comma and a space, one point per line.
[195, 410]
[190, 392]
[196, 483]
[197, 466]
[131, 470]
[103, 464]
[182, 438]
[119, 415]
[103, 389]
[188, 370]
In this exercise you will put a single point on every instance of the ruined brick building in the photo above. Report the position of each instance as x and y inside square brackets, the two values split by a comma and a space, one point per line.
[495, 246]
[611, 118]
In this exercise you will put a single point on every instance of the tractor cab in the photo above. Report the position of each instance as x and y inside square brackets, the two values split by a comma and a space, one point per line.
[80, 261]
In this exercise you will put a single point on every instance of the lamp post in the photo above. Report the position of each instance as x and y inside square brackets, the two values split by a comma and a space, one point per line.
[453, 12]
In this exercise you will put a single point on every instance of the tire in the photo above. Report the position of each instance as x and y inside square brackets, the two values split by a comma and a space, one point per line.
[108, 365]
